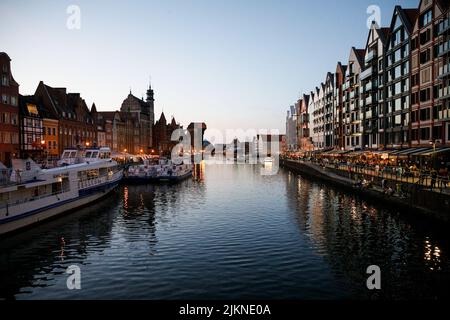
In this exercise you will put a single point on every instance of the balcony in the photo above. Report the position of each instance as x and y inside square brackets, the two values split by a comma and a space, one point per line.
[444, 114]
[444, 93]
[369, 57]
[366, 73]
[444, 71]
[444, 48]
[444, 26]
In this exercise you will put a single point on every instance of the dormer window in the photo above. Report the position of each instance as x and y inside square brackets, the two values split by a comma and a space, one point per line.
[5, 68]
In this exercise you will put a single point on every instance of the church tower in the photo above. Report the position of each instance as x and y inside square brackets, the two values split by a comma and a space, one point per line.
[151, 102]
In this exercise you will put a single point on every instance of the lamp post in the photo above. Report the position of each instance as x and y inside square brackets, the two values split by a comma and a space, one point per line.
[433, 143]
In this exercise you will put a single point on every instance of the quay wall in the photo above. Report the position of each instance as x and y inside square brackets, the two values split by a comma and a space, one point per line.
[419, 201]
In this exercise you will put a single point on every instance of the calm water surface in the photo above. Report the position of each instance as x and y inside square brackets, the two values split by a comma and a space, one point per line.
[229, 233]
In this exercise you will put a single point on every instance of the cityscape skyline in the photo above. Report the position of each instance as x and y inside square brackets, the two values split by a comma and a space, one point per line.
[242, 58]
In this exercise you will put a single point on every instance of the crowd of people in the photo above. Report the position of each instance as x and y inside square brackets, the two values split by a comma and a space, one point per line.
[393, 172]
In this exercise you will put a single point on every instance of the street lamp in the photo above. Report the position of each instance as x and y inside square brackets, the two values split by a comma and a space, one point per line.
[433, 143]
[87, 144]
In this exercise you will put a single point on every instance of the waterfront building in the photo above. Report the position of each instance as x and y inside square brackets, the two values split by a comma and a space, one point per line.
[329, 107]
[114, 129]
[31, 139]
[138, 117]
[9, 112]
[311, 108]
[300, 110]
[162, 135]
[338, 126]
[430, 73]
[318, 118]
[51, 136]
[351, 97]
[76, 126]
[372, 86]
[304, 123]
[397, 86]
[100, 124]
[291, 128]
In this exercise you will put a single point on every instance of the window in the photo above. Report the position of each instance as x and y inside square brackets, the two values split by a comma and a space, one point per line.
[425, 95]
[425, 134]
[425, 56]
[5, 99]
[425, 37]
[49, 131]
[426, 18]
[436, 111]
[54, 131]
[14, 119]
[437, 132]
[43, 130]
[5, 118]
[5, 80]
[425, 114]
[5, 68]
[414, 116]
[415, 79]
[32, 109]
[14, 101]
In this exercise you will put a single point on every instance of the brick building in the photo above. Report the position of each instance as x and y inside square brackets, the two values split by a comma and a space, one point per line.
[9, 112]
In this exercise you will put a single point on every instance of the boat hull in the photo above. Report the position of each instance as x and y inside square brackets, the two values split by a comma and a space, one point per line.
[160, 179]
[39, 215]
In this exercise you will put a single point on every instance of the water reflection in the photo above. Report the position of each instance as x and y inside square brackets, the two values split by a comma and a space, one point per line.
[228, 233]
[354, 234]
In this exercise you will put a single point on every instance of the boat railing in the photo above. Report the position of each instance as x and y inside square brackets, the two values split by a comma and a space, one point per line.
[5, 177]
[98, 180]
[34, 198]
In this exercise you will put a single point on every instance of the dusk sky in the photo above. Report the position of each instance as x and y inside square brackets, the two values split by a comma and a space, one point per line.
[233, 64]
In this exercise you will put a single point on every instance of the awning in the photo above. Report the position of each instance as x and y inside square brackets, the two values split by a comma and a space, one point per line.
[381, 152]
[357, 153]
[407, 152]
[431, 152]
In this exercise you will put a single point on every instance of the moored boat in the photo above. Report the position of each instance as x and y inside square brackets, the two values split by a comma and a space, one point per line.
[31, 194]
[163, 171]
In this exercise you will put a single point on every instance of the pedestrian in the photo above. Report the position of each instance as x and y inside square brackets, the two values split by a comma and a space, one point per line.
[433, 179]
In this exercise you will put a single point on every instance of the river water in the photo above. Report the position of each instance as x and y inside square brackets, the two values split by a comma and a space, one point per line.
[229, 233]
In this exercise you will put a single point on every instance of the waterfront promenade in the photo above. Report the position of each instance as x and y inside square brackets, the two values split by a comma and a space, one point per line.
[404, 192]
[373, 174]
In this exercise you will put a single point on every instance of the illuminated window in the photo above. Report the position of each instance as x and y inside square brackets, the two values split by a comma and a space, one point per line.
[32, 109]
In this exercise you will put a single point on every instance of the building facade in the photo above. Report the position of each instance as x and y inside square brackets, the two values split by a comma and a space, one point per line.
[397, 86]
[76, 127]
[352, 121]
[162, 135]
[338, 117]
[138, 117]
[429, 57]
[9, 112]
[329, 107]
[372, 88]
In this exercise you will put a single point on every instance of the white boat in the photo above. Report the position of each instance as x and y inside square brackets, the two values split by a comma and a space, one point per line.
[32, 194]
[163, 171]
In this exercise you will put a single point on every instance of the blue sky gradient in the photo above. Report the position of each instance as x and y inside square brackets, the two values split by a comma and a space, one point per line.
[233, 64]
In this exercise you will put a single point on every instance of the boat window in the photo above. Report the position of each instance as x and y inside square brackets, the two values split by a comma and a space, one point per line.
[88, 154]
[94, 155]
[73, 154]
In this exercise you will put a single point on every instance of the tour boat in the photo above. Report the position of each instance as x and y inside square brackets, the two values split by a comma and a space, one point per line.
[31, 194]
[163, 171]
